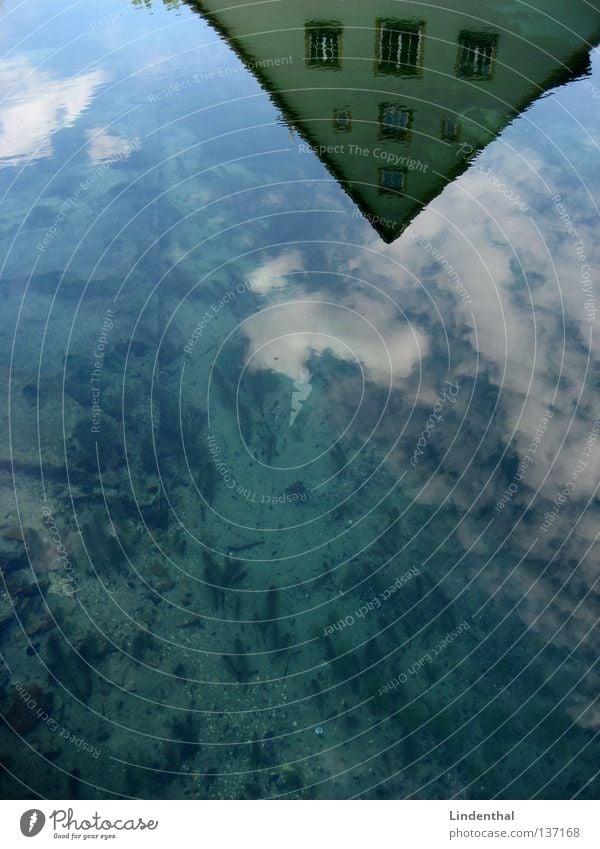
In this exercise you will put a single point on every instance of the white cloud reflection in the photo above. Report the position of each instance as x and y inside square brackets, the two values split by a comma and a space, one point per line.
[34, 104]
[362, 327]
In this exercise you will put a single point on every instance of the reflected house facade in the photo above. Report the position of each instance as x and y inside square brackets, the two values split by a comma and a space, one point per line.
[397, 97]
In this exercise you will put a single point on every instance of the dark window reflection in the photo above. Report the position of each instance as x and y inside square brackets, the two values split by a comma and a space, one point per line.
[450, 128]
[476, 55]
[342, 120]
[395, 121]
[399, 47]
[323, 44]
[392, 180]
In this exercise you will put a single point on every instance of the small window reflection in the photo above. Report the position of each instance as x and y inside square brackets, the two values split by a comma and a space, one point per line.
[395, 121]
[342, 120]
[323, 44]
[399, 47]
[450, 128]
[392, 181]
[476, 55]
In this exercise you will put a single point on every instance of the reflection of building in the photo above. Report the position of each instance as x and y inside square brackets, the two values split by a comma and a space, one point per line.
[395, 97]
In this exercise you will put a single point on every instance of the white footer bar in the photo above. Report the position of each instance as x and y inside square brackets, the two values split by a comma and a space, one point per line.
[302, 824]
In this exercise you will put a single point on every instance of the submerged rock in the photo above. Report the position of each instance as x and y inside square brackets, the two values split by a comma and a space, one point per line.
[26, 706]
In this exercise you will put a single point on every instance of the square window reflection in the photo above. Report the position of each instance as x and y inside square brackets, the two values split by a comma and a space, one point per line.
[476, 55]
[323, 44]
[399, 47]
[392, 181]
[395, 121]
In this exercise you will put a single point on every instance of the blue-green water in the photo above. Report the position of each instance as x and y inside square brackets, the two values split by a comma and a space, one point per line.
[295, 503]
